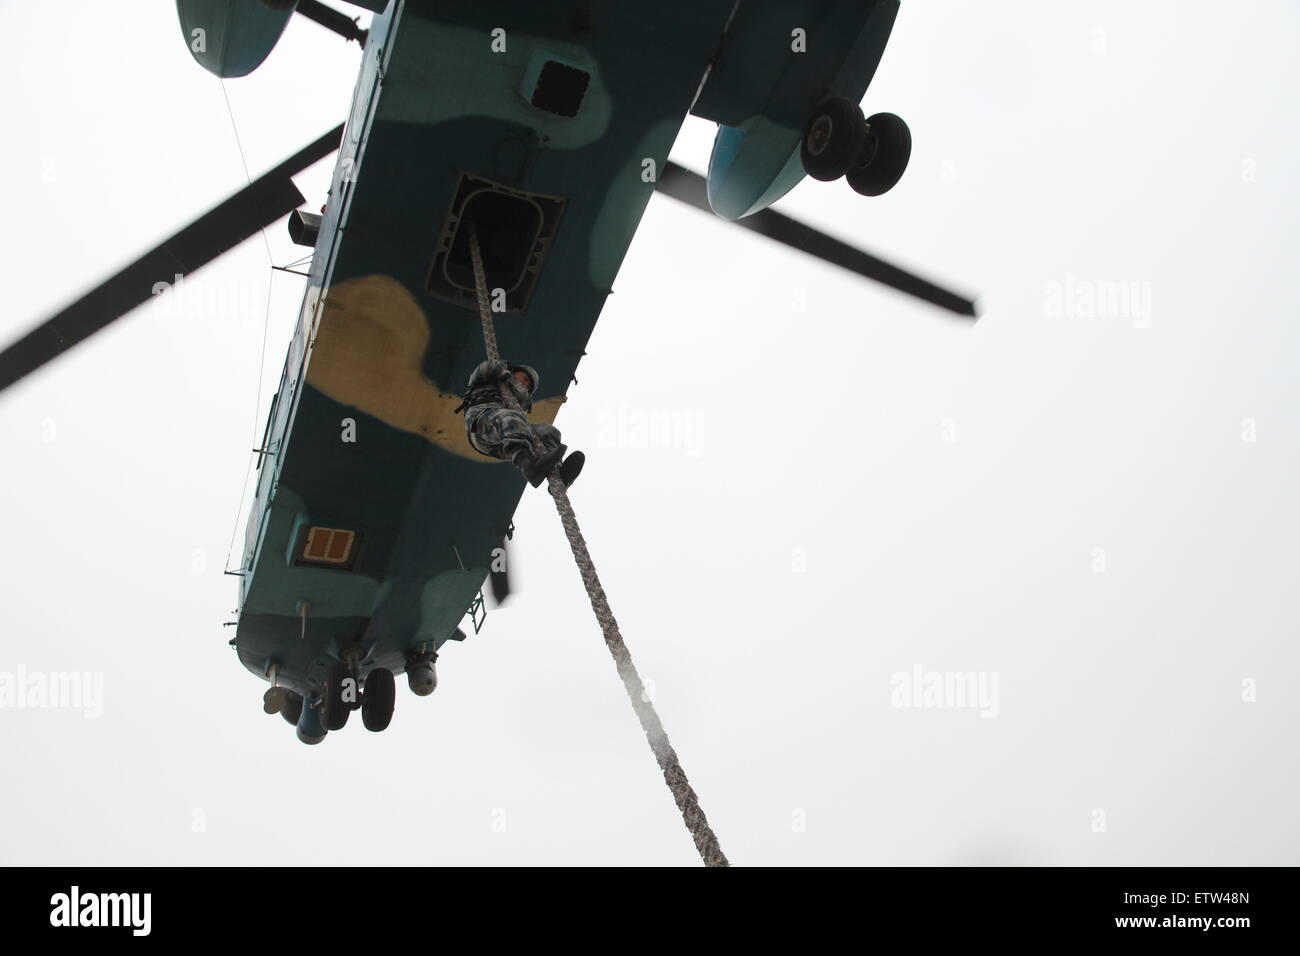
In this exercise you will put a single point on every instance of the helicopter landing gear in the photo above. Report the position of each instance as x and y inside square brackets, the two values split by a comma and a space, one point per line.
[336, 703]
[315, 715]
[872, 153]
[833, 139]
[883, 158]
[377, 699]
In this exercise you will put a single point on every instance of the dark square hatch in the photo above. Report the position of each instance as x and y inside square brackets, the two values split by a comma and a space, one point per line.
[560, 88]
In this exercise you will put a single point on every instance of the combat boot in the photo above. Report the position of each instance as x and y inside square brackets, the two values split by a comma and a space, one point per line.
[535, 468]
[572, 468]
[544, 464]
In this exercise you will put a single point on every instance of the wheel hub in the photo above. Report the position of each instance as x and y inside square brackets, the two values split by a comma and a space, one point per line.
[869, 150]
[819, 135]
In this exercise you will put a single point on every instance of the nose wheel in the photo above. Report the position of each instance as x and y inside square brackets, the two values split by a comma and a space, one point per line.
[833, 139]
[886, 151]
[871, 153]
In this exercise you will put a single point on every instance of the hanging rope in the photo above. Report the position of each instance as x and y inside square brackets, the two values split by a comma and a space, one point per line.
[684, 795]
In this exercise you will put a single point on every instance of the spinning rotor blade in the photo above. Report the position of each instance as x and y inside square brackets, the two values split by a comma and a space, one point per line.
[690, 187]
[257, 205]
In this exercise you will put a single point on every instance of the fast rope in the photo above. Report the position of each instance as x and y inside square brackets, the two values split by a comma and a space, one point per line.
[684, 795]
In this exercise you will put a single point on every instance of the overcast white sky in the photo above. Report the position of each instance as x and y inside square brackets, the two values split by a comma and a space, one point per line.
[1066, 498]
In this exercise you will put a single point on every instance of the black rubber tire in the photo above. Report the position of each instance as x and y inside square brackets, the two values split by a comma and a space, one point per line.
[378, 700]
[334, 709]
[886, 150]
[292, 708]
[832, 139]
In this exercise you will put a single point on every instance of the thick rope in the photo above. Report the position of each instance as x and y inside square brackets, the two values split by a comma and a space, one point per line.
[485, 308]
[683, 793]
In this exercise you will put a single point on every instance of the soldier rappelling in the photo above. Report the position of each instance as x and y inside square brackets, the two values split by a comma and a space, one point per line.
[501, 432]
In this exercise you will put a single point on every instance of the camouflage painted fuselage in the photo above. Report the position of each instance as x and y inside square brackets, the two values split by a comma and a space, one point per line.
[437, 98]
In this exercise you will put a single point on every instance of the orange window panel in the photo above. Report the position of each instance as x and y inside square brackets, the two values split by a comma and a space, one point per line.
[328, 545]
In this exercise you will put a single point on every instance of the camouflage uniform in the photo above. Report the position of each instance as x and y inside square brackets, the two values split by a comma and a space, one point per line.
[498, 431]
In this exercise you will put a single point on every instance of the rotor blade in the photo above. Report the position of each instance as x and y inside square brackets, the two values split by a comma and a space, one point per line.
[257, 205]
[690, 187]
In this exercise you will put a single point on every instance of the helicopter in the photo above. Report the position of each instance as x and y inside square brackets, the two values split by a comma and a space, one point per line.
[546, 127]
